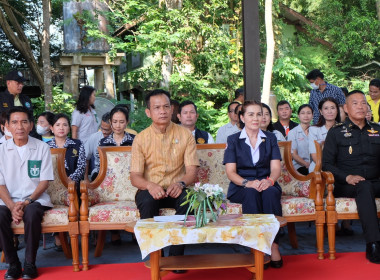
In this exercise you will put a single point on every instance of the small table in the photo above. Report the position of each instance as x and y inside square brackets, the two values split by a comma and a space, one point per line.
[254, 229]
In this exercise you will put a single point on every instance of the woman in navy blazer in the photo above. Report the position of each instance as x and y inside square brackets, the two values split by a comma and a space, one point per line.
[252, 160]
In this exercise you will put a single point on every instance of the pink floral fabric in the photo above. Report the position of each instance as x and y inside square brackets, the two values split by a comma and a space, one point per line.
[297, 206]
[57, 216]
[290, 186]
[117, 183]
[348, 205]
[114, 212]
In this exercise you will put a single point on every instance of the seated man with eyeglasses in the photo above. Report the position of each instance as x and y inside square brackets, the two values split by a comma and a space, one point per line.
[231, 127]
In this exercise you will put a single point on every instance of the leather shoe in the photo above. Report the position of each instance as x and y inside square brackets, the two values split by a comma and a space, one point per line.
[373, 252]
[276, 264]
[30, 271]
[179, 271]
[14, 271]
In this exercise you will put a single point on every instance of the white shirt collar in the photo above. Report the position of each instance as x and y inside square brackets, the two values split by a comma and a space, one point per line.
[244, 134]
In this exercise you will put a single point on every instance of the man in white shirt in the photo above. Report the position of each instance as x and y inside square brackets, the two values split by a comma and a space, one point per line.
[188, 116]
[231, 127]
[92, 145]
[25, 172]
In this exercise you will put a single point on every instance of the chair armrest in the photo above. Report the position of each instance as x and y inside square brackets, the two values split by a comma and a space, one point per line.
[328, 179]
[319, 190]
[73, 201]
[84, 200]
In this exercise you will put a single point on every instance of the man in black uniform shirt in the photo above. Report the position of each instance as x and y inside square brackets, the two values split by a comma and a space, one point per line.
[352, 153]
[12, 96]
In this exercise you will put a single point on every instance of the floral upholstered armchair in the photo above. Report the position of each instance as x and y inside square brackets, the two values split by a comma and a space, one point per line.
[301, 198]
[108, 203]
[63, 217]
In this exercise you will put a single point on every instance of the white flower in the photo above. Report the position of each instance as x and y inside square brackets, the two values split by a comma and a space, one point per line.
[197, 186]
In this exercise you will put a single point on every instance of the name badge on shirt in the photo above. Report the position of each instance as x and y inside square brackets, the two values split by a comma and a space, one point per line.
[34, 168]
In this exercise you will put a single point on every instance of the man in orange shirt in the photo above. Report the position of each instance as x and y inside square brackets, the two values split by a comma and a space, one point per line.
[164, 161]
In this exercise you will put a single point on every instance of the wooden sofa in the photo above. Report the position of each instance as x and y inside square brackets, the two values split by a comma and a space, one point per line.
[63, 217]
[108, 202]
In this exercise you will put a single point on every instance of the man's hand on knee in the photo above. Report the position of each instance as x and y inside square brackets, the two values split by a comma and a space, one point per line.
[354, 179]
[174, 190]
[156, 191]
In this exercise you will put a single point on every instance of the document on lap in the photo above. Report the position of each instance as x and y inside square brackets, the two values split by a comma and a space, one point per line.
[171, 218]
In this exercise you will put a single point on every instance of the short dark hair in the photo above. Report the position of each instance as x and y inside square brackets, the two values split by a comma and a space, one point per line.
[304, 106]
[154, 93]
[314, 74]
[49, 116]
[19, 109]
[121, 110]
[84, 99]
[239, 91]
[106, 117]
[354, 92]
[375, 83]
[185, 103]
[249, 103]
[229, 105]
[60, 116]
[174, 102]
[283, 102]
[237, 108]
[270, 126]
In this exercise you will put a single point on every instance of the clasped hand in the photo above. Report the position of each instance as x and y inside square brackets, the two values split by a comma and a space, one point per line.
[17, 212]
[354, 179]
[259, 185]
[157, 192]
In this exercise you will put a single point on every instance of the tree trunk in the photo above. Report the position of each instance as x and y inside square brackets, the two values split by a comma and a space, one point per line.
[18, 39]
[270, 52]
[167, 59]
[378, 9]
[46, 10]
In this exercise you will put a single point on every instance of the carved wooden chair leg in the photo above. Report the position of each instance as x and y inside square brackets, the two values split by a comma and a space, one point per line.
[292, 235]
[75, 251]
[100, 243]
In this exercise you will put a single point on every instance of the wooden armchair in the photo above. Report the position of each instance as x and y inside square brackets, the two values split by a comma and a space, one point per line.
[63, 217]
[301, 198]
[340, 208]
[318, 148]
[108, 203]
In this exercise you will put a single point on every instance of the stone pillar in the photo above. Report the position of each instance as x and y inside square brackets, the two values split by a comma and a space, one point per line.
[99, 79]
[108, 78]
[67, 79]
[75, 81]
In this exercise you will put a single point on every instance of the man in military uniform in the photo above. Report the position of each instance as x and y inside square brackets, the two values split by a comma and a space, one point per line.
[352, 152]
[12, 96]
[188, 116]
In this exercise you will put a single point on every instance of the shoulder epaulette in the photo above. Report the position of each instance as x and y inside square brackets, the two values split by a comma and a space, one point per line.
[338, 124]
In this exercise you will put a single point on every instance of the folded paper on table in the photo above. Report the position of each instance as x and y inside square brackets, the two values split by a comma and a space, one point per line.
[171, 218]
[254, 231]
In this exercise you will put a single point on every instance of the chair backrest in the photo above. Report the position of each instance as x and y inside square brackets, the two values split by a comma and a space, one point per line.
[211, 169]
[290, 179]
[318, 148]
[57, 189]
[114, 181]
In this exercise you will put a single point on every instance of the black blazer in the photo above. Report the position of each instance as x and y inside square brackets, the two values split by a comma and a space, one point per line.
[278, 126]
[7, 101]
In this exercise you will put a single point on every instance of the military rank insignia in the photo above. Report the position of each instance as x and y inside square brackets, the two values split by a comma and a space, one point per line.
[5, 105]
[373, 132]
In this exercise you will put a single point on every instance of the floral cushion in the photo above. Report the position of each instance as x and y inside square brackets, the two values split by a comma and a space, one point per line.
[290, 186]
[296, 206]
[211, 169]
[57, 216]
[232, 208]
[114, 212]
[348, 205]
[117, 184]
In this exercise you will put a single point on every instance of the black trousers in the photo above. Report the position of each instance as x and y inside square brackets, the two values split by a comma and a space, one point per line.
[364, 193]
[149, 207]
[32, 218]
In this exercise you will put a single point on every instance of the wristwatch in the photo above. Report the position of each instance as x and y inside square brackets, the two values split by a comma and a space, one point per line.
[244, 183]
[183, 184]
[29, 200]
